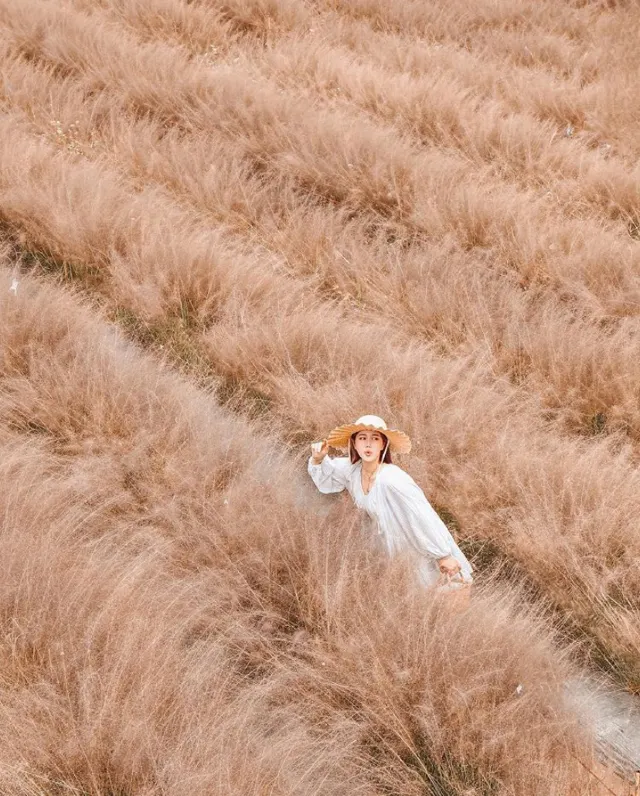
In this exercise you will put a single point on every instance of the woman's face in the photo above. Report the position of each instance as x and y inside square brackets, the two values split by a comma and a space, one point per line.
[369, 445]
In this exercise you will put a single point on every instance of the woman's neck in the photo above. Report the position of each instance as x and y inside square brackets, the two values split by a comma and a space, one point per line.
[369, 467]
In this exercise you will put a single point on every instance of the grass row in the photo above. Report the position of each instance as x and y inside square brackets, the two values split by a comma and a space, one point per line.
[435, 298]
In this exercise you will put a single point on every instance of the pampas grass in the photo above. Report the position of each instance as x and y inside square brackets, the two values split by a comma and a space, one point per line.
[311, 211]
[167, 630]
[265, 334]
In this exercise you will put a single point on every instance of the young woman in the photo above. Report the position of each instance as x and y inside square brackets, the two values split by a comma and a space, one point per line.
[400, 513]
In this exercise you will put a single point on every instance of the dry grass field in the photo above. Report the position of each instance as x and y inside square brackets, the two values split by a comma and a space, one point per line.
[225, 228]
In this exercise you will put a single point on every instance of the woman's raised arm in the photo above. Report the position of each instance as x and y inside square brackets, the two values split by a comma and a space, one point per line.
[329, 475]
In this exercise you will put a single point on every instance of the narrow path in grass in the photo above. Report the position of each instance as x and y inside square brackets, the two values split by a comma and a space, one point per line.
[615, 718]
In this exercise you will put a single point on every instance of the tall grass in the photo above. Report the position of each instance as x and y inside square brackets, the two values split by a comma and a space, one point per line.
[291, 359]
[175, 619]
[312, 211]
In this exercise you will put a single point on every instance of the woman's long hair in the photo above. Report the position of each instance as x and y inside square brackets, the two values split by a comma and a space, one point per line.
[385, 453]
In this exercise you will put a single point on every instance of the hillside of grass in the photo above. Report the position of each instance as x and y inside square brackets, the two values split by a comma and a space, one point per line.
[226, 228]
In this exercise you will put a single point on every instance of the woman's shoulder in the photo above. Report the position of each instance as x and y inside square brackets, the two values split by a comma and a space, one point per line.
[342, 463]
[392, 475]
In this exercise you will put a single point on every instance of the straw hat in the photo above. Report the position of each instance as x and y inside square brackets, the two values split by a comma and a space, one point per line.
[399, 442]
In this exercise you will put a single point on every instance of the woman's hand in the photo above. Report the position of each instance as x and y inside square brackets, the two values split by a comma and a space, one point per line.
[319, 451]
[449, 566]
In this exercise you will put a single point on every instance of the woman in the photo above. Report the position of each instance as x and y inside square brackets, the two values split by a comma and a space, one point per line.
[400, 513]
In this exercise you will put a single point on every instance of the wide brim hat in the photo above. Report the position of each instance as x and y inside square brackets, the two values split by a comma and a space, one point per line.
[399, 442]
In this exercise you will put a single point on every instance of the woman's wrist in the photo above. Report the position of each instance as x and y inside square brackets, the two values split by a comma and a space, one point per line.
[319, 451]
[449, 565]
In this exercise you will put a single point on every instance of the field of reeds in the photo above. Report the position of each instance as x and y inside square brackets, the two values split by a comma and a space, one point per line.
[225, 228]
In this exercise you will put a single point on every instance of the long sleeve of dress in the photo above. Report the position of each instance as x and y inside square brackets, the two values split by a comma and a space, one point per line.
[410, 522]
[331, 475]
[424, 530]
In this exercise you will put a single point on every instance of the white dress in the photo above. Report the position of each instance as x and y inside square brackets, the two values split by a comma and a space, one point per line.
[401, 514]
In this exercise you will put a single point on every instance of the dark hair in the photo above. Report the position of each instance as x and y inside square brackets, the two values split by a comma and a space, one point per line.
[355, 456]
